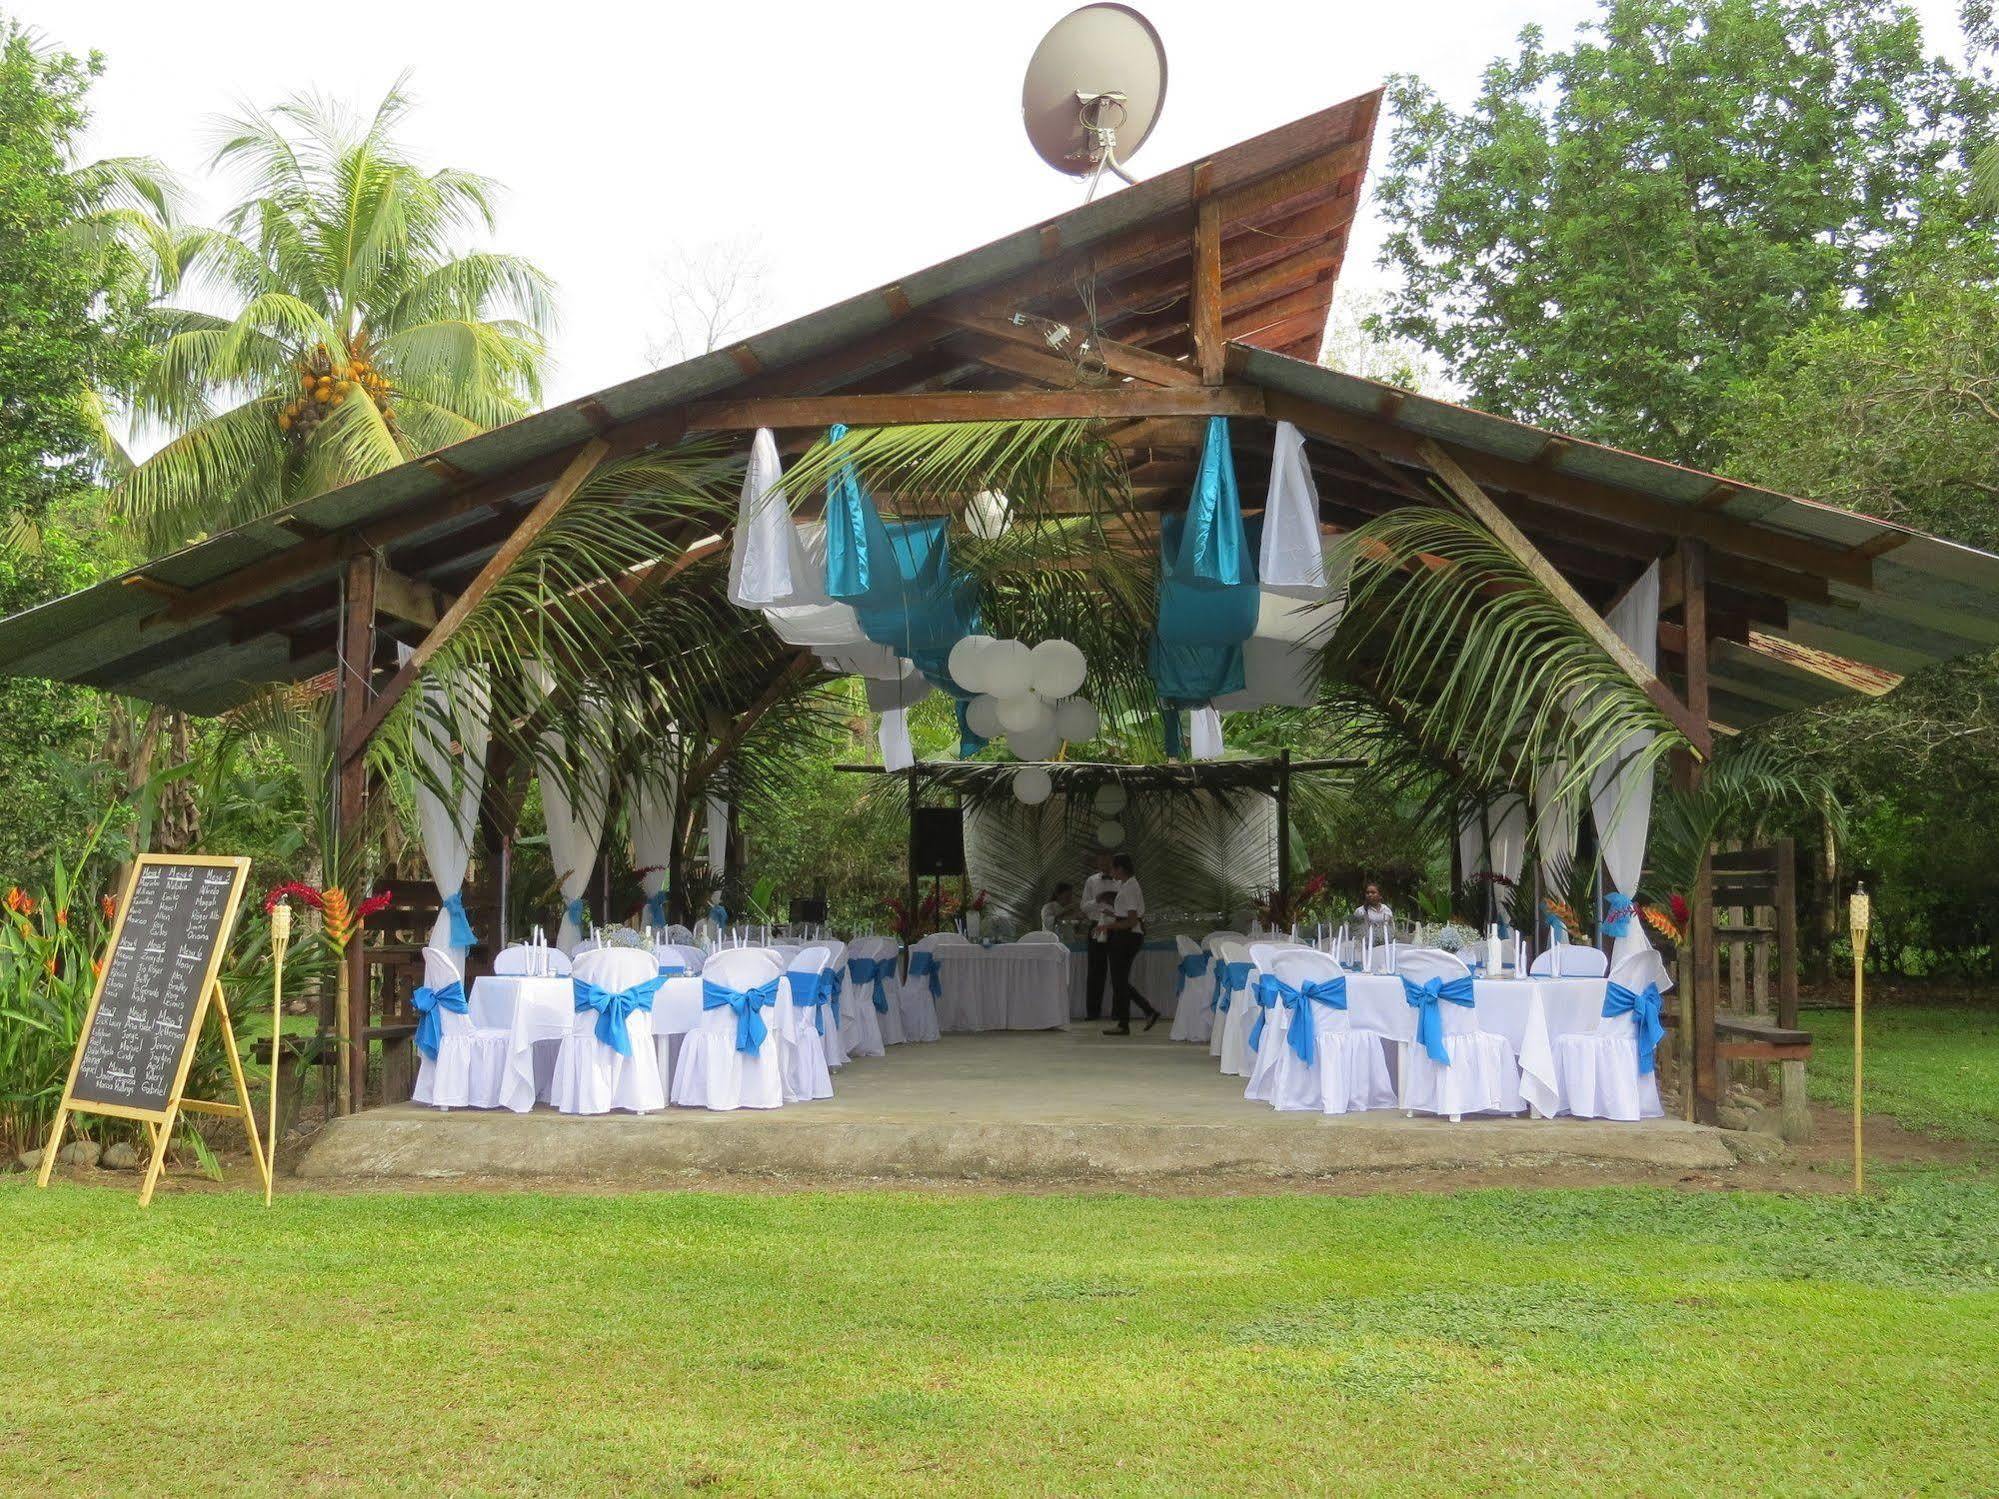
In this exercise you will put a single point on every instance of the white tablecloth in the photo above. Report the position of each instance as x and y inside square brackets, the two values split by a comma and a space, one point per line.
[1010, 986]
[1530, 1014]
[538, 1012]
[1152, 974]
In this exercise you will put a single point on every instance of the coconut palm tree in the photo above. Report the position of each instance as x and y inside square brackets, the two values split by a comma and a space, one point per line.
[333, 327]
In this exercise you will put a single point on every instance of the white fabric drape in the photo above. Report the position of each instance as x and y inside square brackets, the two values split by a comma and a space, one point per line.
[1621, 792]
[718, 834]
[574, 806]
[1204, 734]
[652, 838]
[1292, 557]
[1554, 821]
[897, 751]
[456, 711]
[1493, 838]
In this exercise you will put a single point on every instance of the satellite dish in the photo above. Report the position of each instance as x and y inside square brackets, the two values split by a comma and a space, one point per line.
[1094, 90]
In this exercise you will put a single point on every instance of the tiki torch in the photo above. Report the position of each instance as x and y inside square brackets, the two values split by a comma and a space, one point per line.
[1858, 911]
[281, 936]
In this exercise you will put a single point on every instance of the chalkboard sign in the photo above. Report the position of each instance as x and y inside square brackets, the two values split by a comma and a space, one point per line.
[168, 943]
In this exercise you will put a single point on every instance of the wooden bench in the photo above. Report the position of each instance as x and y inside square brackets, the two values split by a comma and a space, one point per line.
[1741, 1038]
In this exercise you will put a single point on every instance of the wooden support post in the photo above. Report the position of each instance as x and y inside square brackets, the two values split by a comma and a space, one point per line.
[1786, 918]
[915, 800]
[355, 688]
[1703, 1087]
[1795, 1118]
[1284, 838]
[1210, 350]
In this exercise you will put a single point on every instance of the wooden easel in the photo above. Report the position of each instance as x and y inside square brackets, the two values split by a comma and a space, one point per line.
[160, 1122]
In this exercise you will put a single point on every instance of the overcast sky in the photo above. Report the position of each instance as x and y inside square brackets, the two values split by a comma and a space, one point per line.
[855, 142]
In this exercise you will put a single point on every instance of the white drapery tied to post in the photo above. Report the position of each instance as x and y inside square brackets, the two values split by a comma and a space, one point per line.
[1621, 792]
[451, 733]
[575, 807]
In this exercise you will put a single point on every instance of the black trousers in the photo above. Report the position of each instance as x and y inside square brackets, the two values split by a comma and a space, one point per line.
[1095, 977]
[1125, 947]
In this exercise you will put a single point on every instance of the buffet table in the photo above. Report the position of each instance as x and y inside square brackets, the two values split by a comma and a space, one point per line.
[1009, 986]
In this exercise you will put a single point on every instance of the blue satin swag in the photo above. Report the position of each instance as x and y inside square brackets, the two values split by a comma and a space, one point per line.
[428, 1004]
[1266, 996]
[462, 934]
[750, 1027]
[656, 908]
[923, 965]
[1618, 1000]
[872, 971]
[1424, 999]
[1191, 967]
[576, 912]
[614, 1008]
[1208, 599]
[813, 989]
[1230, 980]
[1302, 1033]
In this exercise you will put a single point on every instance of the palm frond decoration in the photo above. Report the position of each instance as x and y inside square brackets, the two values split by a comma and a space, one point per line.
[1460, 646]
[1747, 783]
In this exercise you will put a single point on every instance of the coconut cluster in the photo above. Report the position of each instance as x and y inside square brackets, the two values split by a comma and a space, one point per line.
[325, 381]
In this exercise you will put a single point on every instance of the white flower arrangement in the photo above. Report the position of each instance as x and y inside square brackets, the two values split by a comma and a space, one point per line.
[1453, 936]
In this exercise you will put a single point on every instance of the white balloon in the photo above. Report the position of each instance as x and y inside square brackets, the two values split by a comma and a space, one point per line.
[1076, 720]
[1059, 668]
[987, 514]
[1024, 714]
[1036, 744]
[1033, 785]
[1006, 669]
[982, 716]
[1110, 799]
[1110, 832]
[967, 661]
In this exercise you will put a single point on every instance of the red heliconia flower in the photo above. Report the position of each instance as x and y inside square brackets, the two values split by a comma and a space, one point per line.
[1679, 904]
[374, 903]
[314, 898]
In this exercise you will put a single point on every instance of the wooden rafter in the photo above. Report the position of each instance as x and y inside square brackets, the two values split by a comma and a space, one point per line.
[973, 406]
[1511, 537]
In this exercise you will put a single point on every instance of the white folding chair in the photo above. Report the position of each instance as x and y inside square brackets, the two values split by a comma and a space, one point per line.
[715, 1071]
[471, 1062]
[869, 951]
[1482, 1075]
[518, 962]
[1235, 986]
[593, 1076]
[806, 1022]
[1570, 960]
[1268, 1023]
[1601, 1074]
[1193, 993]
[918, 995]
[678, 957]
[1043, 935]
[1347, 1070]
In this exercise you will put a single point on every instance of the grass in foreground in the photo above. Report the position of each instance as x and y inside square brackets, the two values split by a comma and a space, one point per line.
[1934, 1067]
[1636, 1341]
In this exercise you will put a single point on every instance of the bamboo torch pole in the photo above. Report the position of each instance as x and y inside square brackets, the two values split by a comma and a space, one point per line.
[281, 936]
[1858, 911]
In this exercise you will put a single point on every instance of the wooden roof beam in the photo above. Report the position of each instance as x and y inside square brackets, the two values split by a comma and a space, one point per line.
[973, 406]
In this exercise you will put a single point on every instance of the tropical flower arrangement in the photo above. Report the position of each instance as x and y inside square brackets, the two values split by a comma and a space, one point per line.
[1669, 920]
[1560, 911]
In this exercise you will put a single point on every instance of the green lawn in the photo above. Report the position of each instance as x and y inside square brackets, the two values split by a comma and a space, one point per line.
[1934, 1067]
[1621, 1340]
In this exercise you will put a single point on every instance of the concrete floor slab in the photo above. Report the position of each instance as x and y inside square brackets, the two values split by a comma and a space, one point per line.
[1048, 1107]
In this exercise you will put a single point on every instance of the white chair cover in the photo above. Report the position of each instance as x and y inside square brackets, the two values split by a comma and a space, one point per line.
[1349, 1069]
[470, 1068]
[860, 1025]
[1194, 1009]
[805, 1072]
[1270, 1040]
[1597, 1075]
[711, 1072]
[893, 1032]
[1047, 936]
[918, 1005]
[518, 962]
[672, 955]
[1234, 1026]
[1570, 960]
[1483, 1076]
[592, 1077]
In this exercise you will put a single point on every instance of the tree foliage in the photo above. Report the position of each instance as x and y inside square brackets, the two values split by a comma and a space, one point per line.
[1615, 233]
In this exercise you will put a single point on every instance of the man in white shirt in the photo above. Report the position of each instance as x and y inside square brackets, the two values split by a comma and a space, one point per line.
[1097, 974]
[1126, 939]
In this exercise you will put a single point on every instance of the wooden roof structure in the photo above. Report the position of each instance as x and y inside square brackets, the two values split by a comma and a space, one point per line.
[1201, 291]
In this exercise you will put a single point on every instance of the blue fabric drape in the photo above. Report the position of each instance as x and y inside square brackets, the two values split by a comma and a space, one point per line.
[1191, 967]
[1618, 1000]
[1208, 599]
[897, 575]
[1619, 911]
[1230, 980]
[1266, 996]
[429, 1004]
[656, 908]
[1424, 999]
[750, 1027]
[462, 934]
[614, 1008]
[872, 971]
[577, 913]
[923, 965]
[812, 990]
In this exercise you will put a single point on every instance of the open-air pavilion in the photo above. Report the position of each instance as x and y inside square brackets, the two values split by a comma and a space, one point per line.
[1199, 294]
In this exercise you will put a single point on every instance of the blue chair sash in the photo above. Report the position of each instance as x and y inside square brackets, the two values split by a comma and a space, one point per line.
[462, 934]
[872, 970]
[1302, 1033]
[1230, 980]
[1618, 1000]
[614, 1007]
[923, 965]
[1424, 998]
[576, 911]
[750, 1027]
[832, 985]
[811, 989]
[1191, 967]
[656, 908]
[1267, 986]
[428, 1004]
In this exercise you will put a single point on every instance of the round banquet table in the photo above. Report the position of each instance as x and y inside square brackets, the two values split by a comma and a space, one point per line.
[1530, 1013]
[1152, 975]
[536, 1013]
[1010, 986]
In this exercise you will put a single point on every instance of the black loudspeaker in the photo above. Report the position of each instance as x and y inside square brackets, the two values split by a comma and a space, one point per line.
[808, 912]
[940, 841]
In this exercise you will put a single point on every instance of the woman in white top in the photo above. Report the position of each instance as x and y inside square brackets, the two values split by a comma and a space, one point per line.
[1374, 910]
[1125, 939]
[1060, 910]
